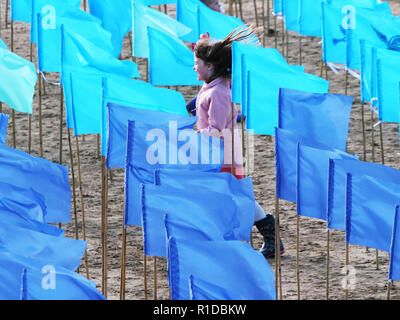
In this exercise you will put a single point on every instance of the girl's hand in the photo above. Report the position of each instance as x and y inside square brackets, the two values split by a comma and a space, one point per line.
[205, 35]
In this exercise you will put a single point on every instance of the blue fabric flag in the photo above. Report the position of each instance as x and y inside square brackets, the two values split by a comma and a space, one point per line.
[338, 169]
[263, 95]
[233, 265]
[45, 177]
[158, 2]
[269, 58]
[286, 161]
[310, 18]
[118, 117]
[29, 279]
[343, 28]
[49, 36]
[40, 246]
[388, 79]
[17, 82]
[145, 17]
[77, 51]
[21, 10]
[210, 216]
[3, 127]
[394, 264]
[3, 45]
[312, 179]
[51, 10]
[116, 17]
[187, 13]
[242, 189]
[204, 290]
[171, 62]
[151, 147]
[291, 14]
[277, 4]
[323, 117]
[370, 204]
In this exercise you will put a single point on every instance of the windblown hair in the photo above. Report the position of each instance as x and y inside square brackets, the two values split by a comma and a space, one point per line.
[219, 53]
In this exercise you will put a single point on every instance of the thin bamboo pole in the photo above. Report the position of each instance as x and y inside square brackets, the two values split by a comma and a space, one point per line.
[373, 160]
[300, 51]
[263, 20]
[327, 262]
[6, 16]
[255, 12]
[297, 255]
[363, 131]
[346, 81]
[61, 121]
[1, 107]
[389, 287]
[40, 116]
[145, 275]
[104, 223]
[382, 148]
[277, 246]
[275, 33]
[240, 9]
[155, 277]
[123, 265]
[233, 139]
[14, 129]
[82, 203]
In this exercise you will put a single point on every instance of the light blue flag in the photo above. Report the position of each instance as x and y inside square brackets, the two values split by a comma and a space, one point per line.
[204, 290]
[312, 179]
[310, 18]
[17, 82]
[388, 79]
[79, 52]
[268, 57]
[45, 177]
[3, 45]
[43, 247]
[151, 147]
[370, 204]
[217, 24]
[144, 17]
[323, 117]
[344, 27]
[29, 279]
[21, 10]
[233, 265]
[277, 6]
[286, 161]
[170, 62]
[338, 169]
[139, 95]
[158, 2]
[208, 215]
[3, 127]
[224, 182]
[263, 95]
[187, 13]
[116, 17]
[51, 10]
[394, 263]
[291, 14]
[117, 126]
[49, 36]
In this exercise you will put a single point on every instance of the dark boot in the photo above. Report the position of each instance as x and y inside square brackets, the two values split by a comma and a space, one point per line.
[266, 227]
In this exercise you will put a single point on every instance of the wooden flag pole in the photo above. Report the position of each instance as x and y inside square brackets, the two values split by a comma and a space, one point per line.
[82, 203]
[300, 53]
[389, 287]
[347, 272]
[287, 45]
[346, 81]
[297, 255]
[240, 9]
[233, 138]
[6, 16]
[230, 8]
[14, 129]
[255, 12]
[123, 264]
[145, 275]
[236, 9]
[275, 32]
[263, 20]
[40, 116]
[155, 278]
[84, 5]
[277, 246]
[327, 261]
[382, 148]
[283, 36]
[61, 120]
[104, 188]
[1, 107]
[363, 131]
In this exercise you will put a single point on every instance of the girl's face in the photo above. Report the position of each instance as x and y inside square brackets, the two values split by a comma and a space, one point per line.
[204, 70]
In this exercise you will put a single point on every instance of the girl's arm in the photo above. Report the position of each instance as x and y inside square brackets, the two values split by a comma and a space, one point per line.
[217, 115]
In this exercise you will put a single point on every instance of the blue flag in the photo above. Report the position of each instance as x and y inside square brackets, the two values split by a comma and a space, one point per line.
[312, 179]
[388, 79]
[49, 36]
[140, 95]
[338, 169]
[3, 45]
[29, 279]
[145, 17]
[77, 51]
[51, 10]
[394, 264]
[310, 18]
[21, 10]
[263, 96]
[370, 204]
[118, 117]
[17, 82]
[233, 265]
[286, 161]
[323, 117]
[47, 178]
[291, 14]
[43, 247]
[116, 17]
[242, 189]
[193, 217]
[3, 127]
[187, 13]
[171, 62]
[277, 6]
[151, 147]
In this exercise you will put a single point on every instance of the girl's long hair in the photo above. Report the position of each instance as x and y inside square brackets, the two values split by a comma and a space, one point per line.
[219, 53]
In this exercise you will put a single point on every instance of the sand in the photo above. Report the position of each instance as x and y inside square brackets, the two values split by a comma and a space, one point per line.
[368, 281]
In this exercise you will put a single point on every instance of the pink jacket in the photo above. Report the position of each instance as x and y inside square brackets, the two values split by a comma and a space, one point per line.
[214, 112]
